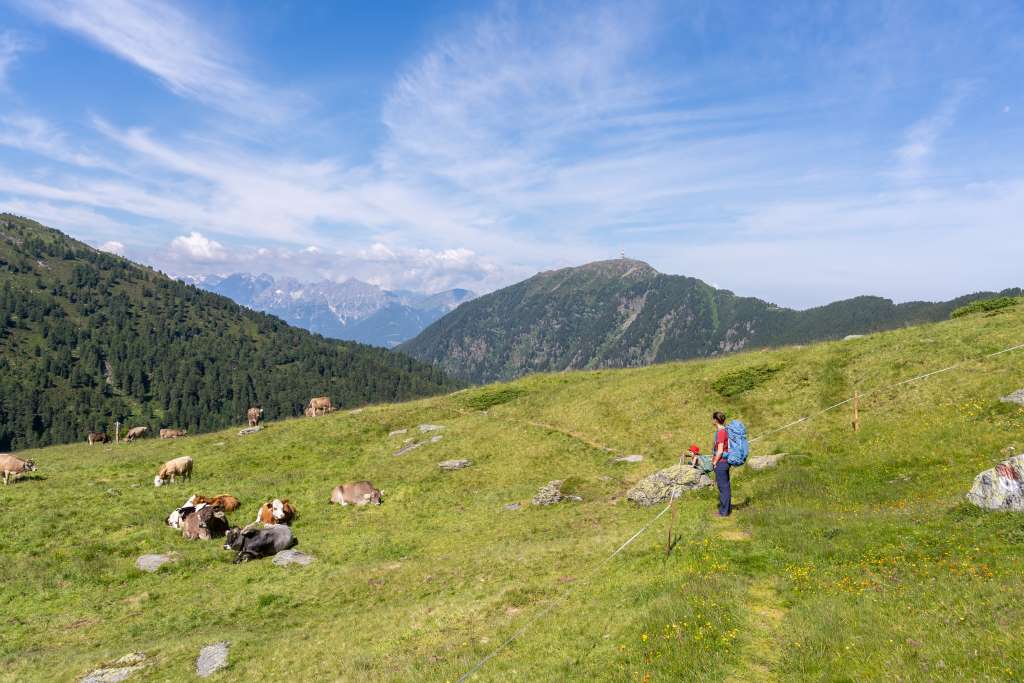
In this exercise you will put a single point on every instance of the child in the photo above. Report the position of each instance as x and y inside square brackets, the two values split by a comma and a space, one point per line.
[698, 461]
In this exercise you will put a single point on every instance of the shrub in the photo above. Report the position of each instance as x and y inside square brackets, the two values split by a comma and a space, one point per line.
[985, 306]
[736, 382]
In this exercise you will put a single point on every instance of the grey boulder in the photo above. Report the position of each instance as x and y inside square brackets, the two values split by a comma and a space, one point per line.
[286, 557]
[763, 462]
[667, 483]
[430, 428]
[628, 458]
[212, 659]
[150, 563]
[120, 670]
[450, 465]
[551, 493]
[250, 430]
[1000, 488]
[1016, 397]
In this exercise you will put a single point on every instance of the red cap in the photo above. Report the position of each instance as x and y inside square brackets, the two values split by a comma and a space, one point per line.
[694, 448]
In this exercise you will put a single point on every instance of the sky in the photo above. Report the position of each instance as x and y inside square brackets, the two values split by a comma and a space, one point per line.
[798, 152]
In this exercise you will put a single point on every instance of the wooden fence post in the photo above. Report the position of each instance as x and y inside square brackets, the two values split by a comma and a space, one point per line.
[671, 527]
[856, 411]
[117, 431]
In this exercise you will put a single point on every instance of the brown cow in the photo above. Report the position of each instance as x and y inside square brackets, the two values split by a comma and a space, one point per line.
[179, 467]
[276, 512]
[203, 522]
[172, 433]
[320, 406]
[134, 433]
[228, 502]
[356, 493]
[255, 416]
[98, 437]
[13, 467]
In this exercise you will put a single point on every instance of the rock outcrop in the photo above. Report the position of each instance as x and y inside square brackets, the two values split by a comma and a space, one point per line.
[120, 670]
[150, 563]
[1000, 488]
[450, 465]
[551, 493]
[763, 462]
[663, 484]
[212, 659]
[286, 557]
[1016, 397]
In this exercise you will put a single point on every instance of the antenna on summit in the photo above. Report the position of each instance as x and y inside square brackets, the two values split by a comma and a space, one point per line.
[622, 254]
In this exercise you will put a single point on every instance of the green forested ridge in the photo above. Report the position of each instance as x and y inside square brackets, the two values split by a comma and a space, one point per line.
[623, 313]
[87, 338]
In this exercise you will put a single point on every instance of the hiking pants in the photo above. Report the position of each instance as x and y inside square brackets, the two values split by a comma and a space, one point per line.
[724, 487]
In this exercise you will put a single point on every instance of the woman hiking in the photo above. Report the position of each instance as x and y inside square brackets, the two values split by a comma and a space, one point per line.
[720, 464]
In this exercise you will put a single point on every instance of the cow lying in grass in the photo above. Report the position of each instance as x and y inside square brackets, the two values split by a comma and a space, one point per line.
[224, 502]
[13, 467]
[356, 493]
[204, 522]
[252, 543]
[276, 511]
[179, 467]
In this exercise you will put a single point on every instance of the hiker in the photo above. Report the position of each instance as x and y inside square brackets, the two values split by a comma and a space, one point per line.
[720, 464]
[698, 461]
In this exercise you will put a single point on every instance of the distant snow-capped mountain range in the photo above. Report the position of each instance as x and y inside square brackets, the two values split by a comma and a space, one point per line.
[353, 309]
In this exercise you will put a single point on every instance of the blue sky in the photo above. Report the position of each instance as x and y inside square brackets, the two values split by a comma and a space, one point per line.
[800, 152]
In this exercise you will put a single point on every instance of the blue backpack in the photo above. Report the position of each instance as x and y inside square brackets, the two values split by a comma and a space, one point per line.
[739, 446]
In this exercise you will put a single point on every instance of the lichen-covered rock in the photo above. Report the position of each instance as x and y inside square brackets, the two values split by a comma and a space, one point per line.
[397, 432]
[550, 493]
[763, 462]
[120, 670]
[286, 557]
[430, 428]
[663, 484]
[1000, 488]
[150, 563]
[513, 506]
[450, 465]
[1016, 397]
[212, 659]
[250, 430]
[628, 458]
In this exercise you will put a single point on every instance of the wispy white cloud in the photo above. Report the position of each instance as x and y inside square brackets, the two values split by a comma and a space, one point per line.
[921, 138]
[162, 39]
[114, 247]
[35, 134]
[11, 45]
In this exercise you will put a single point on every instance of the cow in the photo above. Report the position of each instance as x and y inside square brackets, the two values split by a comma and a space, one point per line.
[255, 416]
[13, 467]
[134, 433]
[172, 433]
[276, 511]
[97, 437]
[356, 493]
[179, 467]
[253, 543]
[225, 501]
[320, 406]
[204, 522]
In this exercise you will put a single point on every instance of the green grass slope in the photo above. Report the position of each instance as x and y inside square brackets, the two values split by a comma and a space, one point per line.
[855, 559]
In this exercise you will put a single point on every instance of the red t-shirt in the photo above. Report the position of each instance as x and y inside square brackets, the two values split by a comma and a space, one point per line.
[721, 437]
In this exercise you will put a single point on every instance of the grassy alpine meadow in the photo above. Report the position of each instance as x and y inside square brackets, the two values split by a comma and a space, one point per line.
[856, 558]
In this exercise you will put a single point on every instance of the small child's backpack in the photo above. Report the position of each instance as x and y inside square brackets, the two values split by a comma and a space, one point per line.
[739, 447]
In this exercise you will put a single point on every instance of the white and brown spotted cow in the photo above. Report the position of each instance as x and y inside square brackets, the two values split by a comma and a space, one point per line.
[276, 511]
[134, 433]
[172, 433]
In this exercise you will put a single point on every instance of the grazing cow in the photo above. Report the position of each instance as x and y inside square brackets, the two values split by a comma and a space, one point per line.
[276, 512]
[226, 501]
[134, 433]
[179, 467]
[98, 437]
[13, 467]
[203, 522]
[253, 543]
[320, 406]
[255, 416]
[356, 493]
[172, 433]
